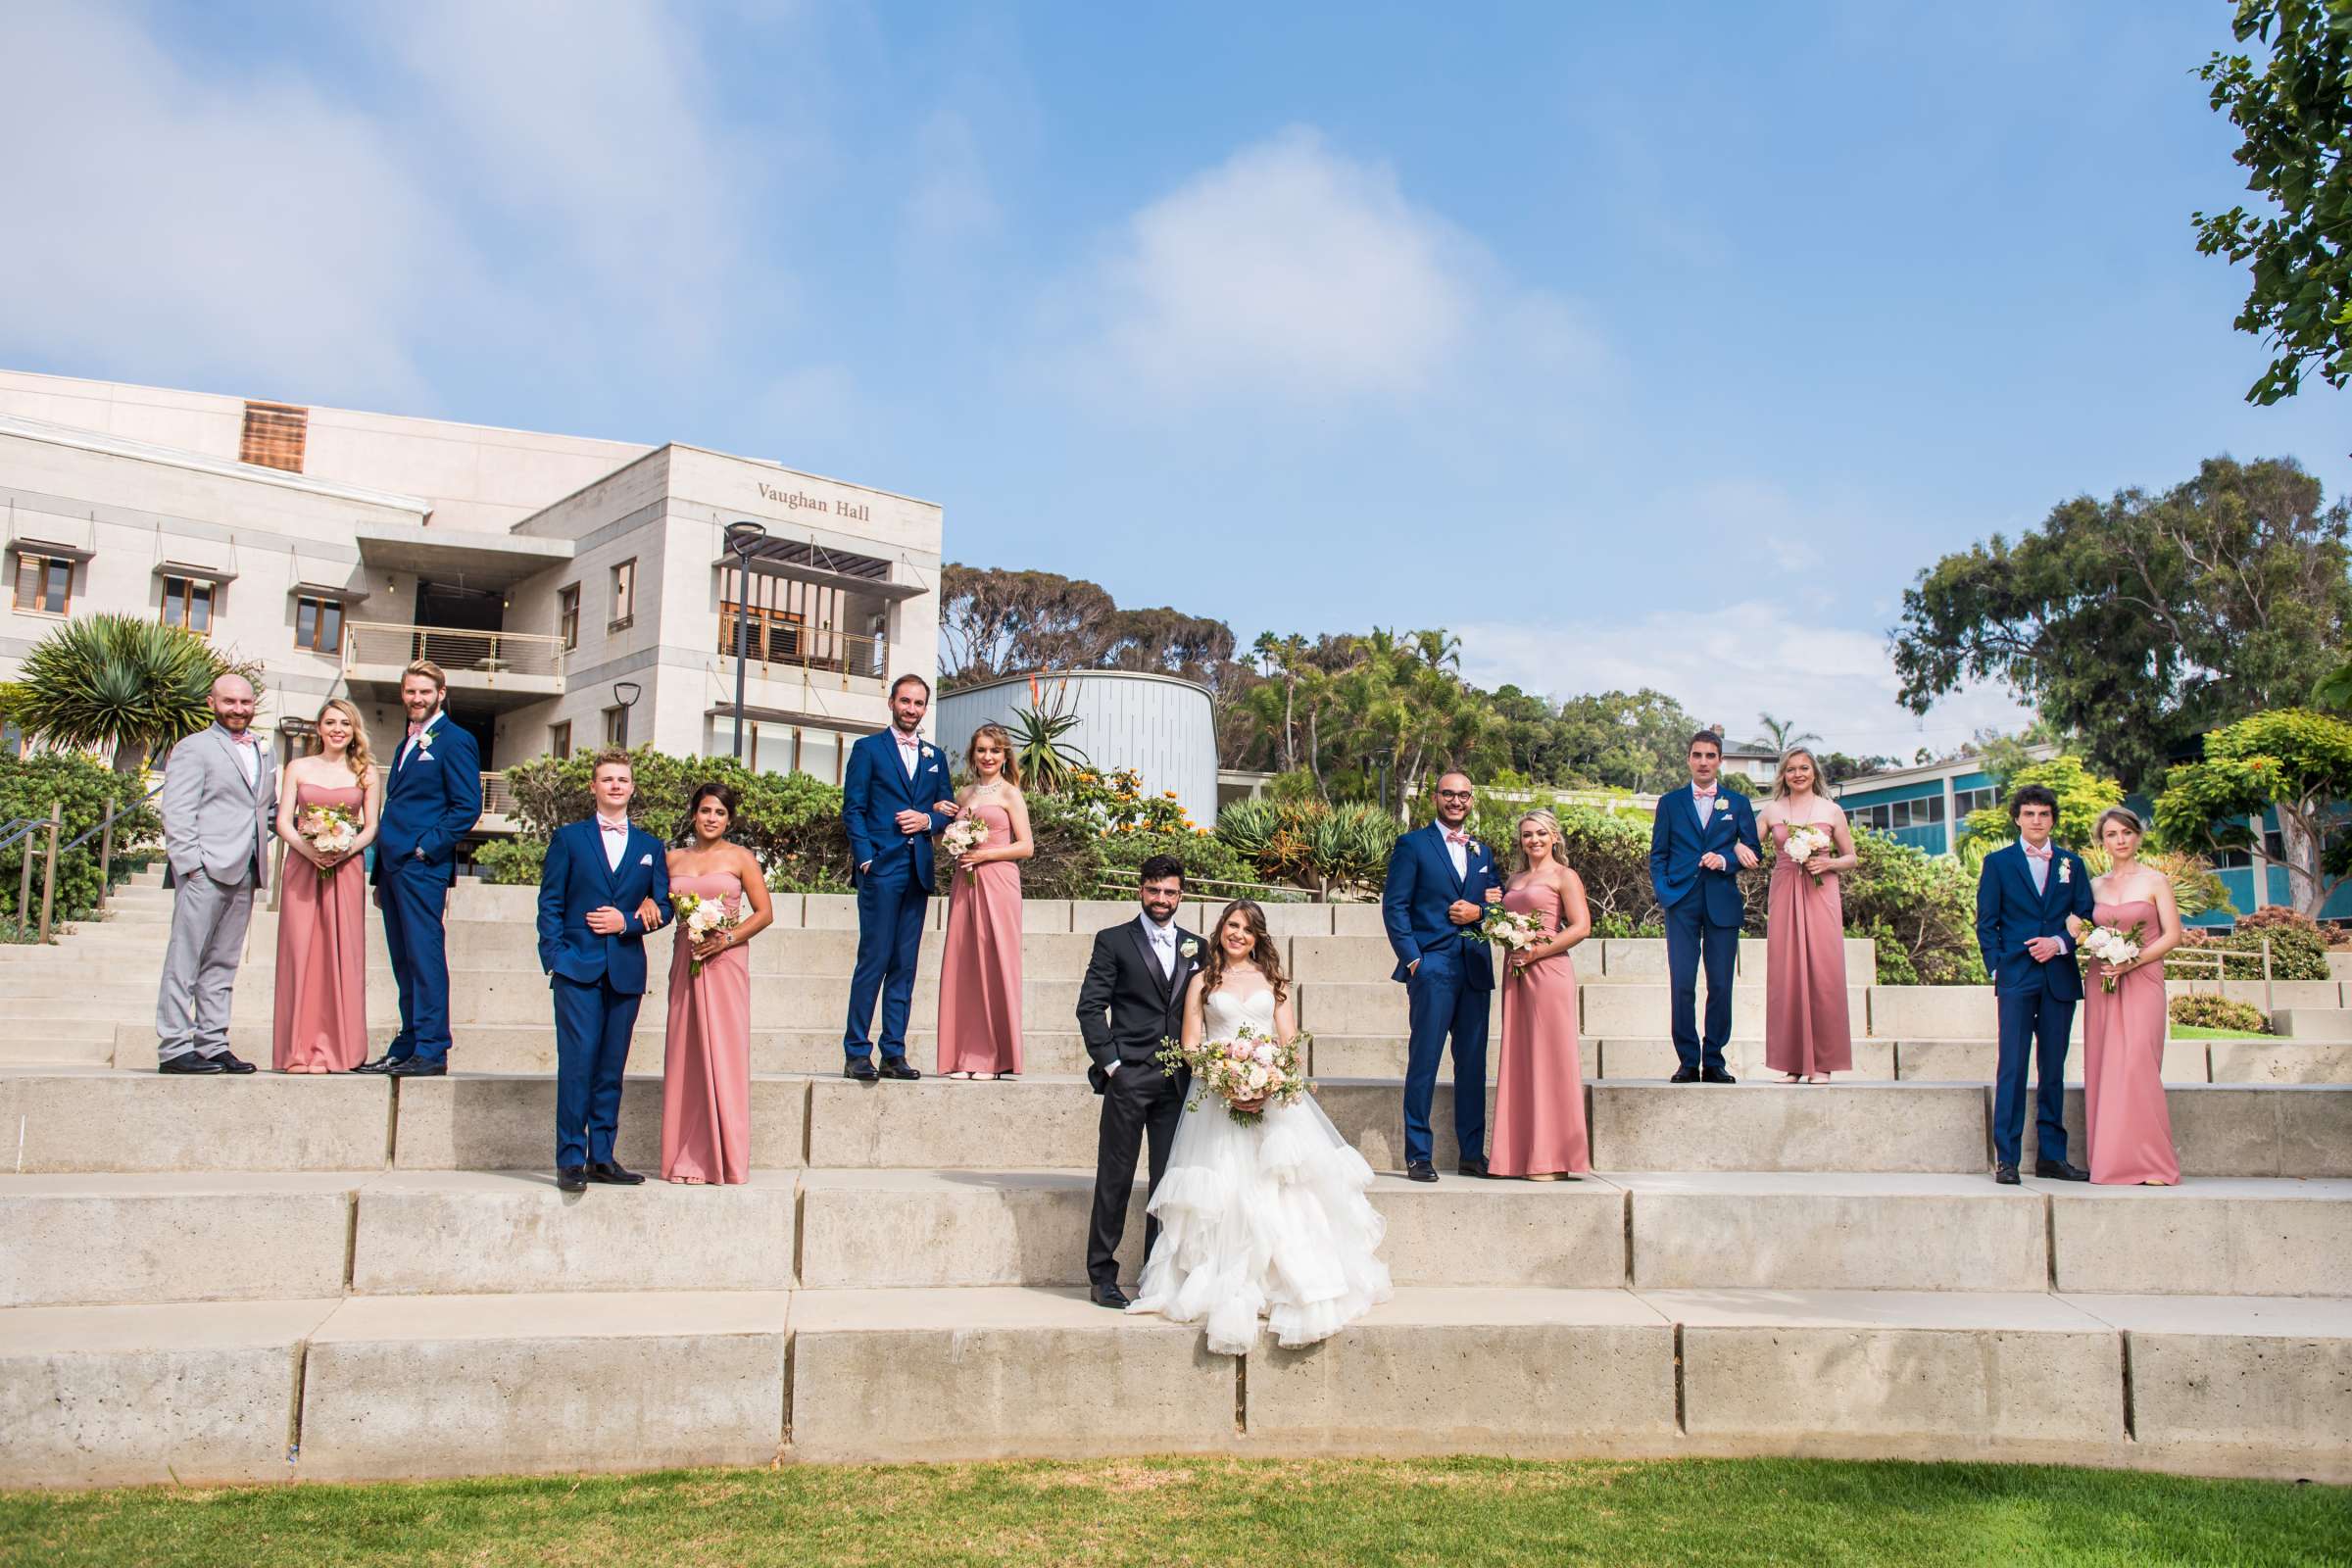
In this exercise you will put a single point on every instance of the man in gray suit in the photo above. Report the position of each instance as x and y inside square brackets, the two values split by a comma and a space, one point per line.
[219, 801]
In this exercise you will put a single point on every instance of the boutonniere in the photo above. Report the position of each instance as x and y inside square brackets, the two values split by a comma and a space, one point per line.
[1189, 948]
[1722, 804]
[2065, 871]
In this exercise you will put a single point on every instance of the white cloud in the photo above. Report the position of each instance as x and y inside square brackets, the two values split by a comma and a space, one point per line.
[1293, 273]
[1729, 662]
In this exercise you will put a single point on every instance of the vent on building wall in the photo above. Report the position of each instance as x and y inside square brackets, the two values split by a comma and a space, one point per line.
[274, 435]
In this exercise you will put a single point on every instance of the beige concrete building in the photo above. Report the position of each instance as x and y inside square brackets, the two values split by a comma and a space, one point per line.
[577, 590]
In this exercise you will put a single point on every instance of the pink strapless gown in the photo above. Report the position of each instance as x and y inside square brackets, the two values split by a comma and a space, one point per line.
[980, 978]
[707, 1055]
[1539, 1079]
[2126, 1123]
[1807, 1028]
[322, 1016]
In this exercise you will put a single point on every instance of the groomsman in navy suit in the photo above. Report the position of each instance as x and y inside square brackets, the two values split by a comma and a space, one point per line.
[598, 874]
[431, 801]
[896, 794]
[1700, 841]
[2024, 893]
[1440, 882]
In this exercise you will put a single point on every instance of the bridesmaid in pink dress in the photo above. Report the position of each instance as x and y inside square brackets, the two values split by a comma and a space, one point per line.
[2126, 1124]
[1540, 1081]
[321, 1023]
[980, 978]
[707, 1054]
[1808, 1032]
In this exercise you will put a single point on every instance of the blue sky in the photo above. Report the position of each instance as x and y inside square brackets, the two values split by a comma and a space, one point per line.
[1636, 345]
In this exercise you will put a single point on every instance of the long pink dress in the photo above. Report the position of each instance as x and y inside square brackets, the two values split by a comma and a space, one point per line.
[1539, 1079]
[980, 977]
[707, 1055]
[322, 1016]
[2126, 1125]
[1806, 1025]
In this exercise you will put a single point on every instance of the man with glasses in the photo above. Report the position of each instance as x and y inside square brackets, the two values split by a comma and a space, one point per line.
[1440, 882]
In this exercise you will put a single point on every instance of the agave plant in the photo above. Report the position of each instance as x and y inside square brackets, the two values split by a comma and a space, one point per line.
[1350, 846]
[121, 683]
[1047, 763]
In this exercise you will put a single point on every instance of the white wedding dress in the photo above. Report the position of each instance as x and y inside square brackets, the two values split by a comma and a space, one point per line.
[1261, 1219]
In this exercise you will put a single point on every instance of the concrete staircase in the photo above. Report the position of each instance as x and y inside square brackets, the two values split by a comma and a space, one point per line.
[339, 1278]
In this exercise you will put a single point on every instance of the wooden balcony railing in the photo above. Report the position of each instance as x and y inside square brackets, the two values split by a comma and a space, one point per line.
[490, 653]
[780, 647]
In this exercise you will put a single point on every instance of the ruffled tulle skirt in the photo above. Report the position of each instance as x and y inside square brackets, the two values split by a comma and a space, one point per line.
[1263, 1221]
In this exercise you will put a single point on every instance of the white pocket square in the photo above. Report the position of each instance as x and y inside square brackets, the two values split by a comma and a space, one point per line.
[645, 860]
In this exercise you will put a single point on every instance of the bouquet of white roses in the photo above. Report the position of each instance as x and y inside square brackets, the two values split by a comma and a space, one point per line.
[1514, 929]
[962, 836]
[1250, 1066]
[1804, 843]
[331, 830]
[699, 917]
[2111, 947]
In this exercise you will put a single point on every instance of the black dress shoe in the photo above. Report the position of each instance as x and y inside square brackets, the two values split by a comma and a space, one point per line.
[1684, 1075]
[572, 1178]
[1109, 1295]
[1716, 1075]
[896, 1067]
[860, 1070]
[1419, 1171]
[383, 1063]
[2006, 1175]
[417, 1067]
[2058, 1170]
[613, 1173]
[191, 1062]
[230, 1061]
[1471, 1168]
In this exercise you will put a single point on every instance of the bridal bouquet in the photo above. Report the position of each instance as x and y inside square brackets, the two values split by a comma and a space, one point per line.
[699, 917]
[331, 830]
[1804, 843]
[962, 836]
[2111, 948]
[1514, 929]
[1249, 1066]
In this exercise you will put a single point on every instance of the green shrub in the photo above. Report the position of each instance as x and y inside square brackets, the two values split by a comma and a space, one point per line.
[27, 784]
[1203, 855]
[512, 862]
[2219, 1012]
[791, 821]
[2298, 947]
[1068, 862]
[1921, 908]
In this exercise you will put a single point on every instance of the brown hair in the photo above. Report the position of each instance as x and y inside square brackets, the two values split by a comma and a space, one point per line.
[612, 754]
[1012, 770]
[2117, 813]
[429, 671]
[356, 754]
[1262, 950]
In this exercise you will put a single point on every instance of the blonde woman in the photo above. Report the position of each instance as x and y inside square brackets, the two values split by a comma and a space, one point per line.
[2124, 1120]
[1808, 1033]
[1539, 1128]
[980, 976]
[321, 1018]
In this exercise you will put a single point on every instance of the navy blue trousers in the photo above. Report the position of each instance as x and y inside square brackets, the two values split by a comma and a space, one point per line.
[1441, 1003]
[413, 899]
[593, 1023]
[2035, 1025]
[891, 906]
[1688, 939]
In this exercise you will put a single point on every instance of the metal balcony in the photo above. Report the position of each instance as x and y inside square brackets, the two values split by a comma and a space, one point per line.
[492, 670]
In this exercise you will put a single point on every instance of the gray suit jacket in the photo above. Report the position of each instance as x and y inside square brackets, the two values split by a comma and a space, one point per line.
[214, 821]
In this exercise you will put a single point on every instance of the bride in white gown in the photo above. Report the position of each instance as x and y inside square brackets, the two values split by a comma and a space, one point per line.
[1262, 1219]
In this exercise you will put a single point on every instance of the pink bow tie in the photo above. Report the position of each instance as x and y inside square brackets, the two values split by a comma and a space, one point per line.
[2033, 853]
[1697, 794]
[1452, 837]
[611, 827]
[414, 730]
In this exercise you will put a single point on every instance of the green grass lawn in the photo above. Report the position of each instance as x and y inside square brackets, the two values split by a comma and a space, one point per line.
[2190, 1031]
[1446, 1514]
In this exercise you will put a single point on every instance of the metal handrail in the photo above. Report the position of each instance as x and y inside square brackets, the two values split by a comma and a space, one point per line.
[791, 645]
[2220, 959]
[117, 810]
[488, 654]
[1282, 895]
[22, 825]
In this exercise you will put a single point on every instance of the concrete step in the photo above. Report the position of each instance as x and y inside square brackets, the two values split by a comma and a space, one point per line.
[393, 1387]
[490, 1124]
[25, 1047]
[2279, 1062]
[2214, 1237]
[2313, 1023]
[1655, 1058]
[1978, 1061]
[2301, 1130]
[1806, 1231]
[63, 1120]
[185, 1236]
[1850, 1126]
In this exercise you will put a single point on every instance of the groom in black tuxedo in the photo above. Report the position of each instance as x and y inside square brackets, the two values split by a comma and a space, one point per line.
[1130, 999]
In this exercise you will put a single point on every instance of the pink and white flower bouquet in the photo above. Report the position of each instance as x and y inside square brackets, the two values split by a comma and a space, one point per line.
[962, 836]
[1804, 843]
[2111, 947]
[331, 830]
[1514, 929]
[699, 917]
[1250, 1066]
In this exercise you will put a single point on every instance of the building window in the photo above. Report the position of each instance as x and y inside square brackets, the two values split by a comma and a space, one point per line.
[274, 435]
[44, 584]
[1966, 801]
[319, 624]
[559, 740]
[616, 726]
[188, 603]
[567, 615]
[624, 594]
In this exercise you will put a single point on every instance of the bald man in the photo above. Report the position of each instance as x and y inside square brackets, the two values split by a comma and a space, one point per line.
[219, 798]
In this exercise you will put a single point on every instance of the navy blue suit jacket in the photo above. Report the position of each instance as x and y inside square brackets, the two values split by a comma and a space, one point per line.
[876, 789]
[1421, 886]
[1675, 843]
[2010, 914]
[432, 799]
[576, 879]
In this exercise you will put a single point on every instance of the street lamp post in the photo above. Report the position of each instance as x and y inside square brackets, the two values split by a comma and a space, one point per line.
[626, 693]
[743, 537]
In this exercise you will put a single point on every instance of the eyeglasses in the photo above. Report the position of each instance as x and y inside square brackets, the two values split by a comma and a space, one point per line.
[1453, 795]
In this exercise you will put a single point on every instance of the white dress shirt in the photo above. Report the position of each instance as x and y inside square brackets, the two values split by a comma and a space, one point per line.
[911, 748]
[1459, 853]
[1163, 945]
[249, 757]
[410, 744]
[615, 835]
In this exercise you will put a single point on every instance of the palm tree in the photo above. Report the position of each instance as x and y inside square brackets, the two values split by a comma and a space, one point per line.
[118, 682]
[1783, 733]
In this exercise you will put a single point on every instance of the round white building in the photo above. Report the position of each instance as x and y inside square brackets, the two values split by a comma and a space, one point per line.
[1159, 725]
